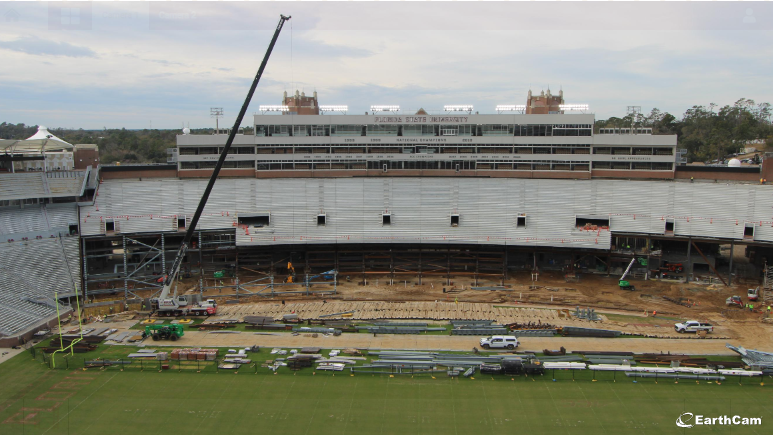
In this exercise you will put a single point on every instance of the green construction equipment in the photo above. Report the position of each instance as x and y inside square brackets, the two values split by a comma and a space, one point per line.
[163, 332]
[625, 285]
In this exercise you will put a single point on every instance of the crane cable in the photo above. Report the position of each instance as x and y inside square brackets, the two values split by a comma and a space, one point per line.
[292, 71]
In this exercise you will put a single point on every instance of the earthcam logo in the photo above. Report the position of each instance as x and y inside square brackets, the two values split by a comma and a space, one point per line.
[688, 419]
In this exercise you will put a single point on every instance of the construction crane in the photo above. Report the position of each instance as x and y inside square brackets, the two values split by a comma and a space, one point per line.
[179, 304]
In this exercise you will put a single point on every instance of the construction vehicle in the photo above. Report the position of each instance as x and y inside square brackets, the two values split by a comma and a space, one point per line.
[734, 301]
[753, 294]
[693, 326]
[163, 332]
[622, 283]
[172, 305]
[290, 272]
[330, 274]
[672, 267]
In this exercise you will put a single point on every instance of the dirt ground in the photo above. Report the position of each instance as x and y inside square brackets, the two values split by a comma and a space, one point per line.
[629, 311]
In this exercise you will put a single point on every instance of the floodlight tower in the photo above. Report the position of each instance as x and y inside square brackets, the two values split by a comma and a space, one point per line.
[217, 113]
[635, 112]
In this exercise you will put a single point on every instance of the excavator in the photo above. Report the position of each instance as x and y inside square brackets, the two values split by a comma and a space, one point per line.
[175, 305]
[290, 273]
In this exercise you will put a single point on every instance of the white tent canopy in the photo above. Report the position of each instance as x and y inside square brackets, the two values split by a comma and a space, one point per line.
[39, 142]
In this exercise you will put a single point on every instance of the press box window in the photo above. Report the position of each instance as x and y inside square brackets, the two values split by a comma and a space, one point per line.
[180, 222]
[454, 220]
[109, 225]
[386, 219]
[748, 230]
[72, 229]
[321, 219]
[520, 222]
[669, 226]
[255, 220]
[591, 222]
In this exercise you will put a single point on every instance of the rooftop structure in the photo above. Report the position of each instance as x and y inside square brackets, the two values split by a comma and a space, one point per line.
[554, 145]
[544, 103]
[300, 104]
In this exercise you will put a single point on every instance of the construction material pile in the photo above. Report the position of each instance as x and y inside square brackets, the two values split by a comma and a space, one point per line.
[194, 354]
[754, 358]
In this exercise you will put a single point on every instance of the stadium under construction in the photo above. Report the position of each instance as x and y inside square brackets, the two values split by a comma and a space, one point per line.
[385, 210]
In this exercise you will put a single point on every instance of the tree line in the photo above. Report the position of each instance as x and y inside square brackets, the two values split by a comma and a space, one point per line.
[707, 132]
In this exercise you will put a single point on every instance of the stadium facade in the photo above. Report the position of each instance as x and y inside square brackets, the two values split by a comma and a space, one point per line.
[457, 196]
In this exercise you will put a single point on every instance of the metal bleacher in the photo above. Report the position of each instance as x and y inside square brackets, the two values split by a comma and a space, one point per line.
[42, 184]
[36, 270]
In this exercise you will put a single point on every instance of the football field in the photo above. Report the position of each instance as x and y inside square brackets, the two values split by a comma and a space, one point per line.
[37, 400]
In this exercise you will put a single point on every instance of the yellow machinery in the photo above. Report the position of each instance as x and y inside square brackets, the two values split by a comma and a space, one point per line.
[291, 271]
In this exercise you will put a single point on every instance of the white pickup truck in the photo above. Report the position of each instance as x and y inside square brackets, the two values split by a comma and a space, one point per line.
[693, 326]
[499, 342]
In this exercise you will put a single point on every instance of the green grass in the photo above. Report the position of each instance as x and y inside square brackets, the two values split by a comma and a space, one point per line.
[151, 402]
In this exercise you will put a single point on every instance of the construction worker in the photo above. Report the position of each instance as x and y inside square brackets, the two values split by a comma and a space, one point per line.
[768, 309]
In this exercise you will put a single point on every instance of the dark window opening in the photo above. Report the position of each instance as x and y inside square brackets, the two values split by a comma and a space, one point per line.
[181, 223]
[591, 221]
[258, 220]
[454, 220]
[73, 229]
[669, 226]
[321, 219]
[386, 219]
[109, 225]
[520, 222]
[748, 231]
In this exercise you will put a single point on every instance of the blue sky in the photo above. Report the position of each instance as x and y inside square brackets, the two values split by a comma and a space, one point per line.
[94, 65]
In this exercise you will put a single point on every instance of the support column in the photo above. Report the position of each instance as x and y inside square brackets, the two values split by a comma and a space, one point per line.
[504, 267]
[84, 265]
[689, 260]
[448, 269]
[201, 270]
[477, 257]
[730, 272]
[420, 266]
[236, 273]
[125, 270]
[391, 267]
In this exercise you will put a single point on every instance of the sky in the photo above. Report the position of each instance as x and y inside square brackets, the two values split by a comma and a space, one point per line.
[165, 64]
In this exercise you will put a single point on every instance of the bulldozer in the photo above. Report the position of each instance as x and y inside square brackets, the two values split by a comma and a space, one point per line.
[163, 332]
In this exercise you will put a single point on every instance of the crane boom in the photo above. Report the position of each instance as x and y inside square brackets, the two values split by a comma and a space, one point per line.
[172, 275]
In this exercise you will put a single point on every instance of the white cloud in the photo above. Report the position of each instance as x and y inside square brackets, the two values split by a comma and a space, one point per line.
[136, 63]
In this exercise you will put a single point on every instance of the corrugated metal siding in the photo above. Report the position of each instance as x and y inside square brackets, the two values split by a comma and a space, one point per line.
[421, 208]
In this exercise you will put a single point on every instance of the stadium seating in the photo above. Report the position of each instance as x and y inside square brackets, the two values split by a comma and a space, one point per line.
[36, 218]
[41, 185]
[33, 270]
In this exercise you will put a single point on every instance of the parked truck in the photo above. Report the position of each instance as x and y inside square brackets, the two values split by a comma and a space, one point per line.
[499, 342]
[183, 305]
[693, 326]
